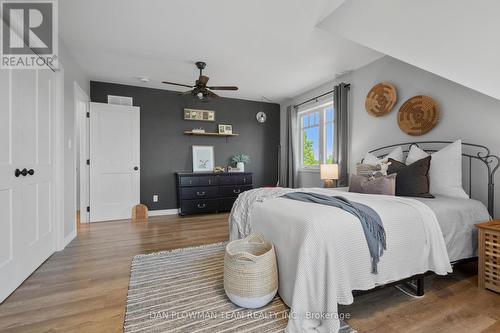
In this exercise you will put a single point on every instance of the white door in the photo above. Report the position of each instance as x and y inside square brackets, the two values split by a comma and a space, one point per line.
[83, 154]
[114, 161]
[26, 197]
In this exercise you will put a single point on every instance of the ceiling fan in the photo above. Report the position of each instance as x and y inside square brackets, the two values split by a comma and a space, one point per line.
[200, 88]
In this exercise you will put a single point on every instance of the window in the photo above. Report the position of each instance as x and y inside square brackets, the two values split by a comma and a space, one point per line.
[316, 136]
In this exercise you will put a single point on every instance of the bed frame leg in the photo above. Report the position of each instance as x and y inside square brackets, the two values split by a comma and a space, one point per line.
[420, 285]
[413, 288]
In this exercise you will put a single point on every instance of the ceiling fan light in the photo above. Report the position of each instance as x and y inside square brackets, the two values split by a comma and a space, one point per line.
[199, 95]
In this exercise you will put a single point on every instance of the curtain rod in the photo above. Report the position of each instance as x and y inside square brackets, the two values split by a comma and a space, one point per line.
[319, 96]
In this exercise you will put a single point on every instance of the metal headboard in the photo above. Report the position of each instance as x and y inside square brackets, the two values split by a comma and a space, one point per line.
[470, 152]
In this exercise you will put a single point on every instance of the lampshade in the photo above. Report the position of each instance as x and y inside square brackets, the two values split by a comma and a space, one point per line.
[329, 171]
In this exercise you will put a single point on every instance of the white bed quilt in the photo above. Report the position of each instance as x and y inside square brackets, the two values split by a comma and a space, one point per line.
[322, 252]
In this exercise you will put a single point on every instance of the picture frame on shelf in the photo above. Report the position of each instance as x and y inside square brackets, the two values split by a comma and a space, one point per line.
[225, 129]
[203, 158]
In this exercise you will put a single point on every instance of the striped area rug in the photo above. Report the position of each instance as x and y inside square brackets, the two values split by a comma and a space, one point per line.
[182, 291]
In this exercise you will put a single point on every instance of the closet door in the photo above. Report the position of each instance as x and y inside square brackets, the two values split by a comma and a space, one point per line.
[26, 172]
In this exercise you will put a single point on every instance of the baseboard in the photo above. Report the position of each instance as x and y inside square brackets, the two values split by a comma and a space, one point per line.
[161, 212]
[67, 240]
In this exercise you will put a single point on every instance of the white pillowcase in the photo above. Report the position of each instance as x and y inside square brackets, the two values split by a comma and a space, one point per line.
[445, 172]
[396, 154]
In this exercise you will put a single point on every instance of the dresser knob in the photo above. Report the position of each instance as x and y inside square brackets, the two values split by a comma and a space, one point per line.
[236, 191]
[200, 193]
[201, 205]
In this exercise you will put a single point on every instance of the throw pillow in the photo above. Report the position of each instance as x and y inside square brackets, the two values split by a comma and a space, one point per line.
[445, 173]
[413, 179]
[385, 185]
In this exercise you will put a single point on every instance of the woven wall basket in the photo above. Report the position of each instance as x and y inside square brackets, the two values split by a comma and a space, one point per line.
[250, 272]
[381, 99]
[418, 115]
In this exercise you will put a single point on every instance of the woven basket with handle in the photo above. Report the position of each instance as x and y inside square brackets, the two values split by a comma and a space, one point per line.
[250, 272]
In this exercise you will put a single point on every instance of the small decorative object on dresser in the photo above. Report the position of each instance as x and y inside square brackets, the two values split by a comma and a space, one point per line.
[381, 99]
[219, 169]
[225, 129]
[240, 160]
[489, 255]
[329, 173]
[203, 158]
[210, 192]
[418, 115]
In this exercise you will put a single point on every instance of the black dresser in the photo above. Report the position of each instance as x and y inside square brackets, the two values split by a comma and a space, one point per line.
[210, 192]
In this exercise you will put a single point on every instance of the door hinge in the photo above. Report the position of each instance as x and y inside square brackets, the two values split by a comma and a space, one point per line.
[88, 209]
[88, 162]
[88, 114]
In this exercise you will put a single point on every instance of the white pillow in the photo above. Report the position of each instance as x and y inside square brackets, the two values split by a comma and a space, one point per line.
[396, 154]
[445, 172]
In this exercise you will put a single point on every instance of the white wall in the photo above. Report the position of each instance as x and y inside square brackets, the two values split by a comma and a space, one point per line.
[72, 73]
[465, 114]
[457, 40]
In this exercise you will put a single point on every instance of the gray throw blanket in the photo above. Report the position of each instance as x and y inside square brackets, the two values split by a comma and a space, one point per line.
[370, 220]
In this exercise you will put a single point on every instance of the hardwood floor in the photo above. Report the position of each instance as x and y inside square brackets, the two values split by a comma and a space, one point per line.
[84, 287]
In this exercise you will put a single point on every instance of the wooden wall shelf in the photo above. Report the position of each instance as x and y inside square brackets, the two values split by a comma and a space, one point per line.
[209, 134]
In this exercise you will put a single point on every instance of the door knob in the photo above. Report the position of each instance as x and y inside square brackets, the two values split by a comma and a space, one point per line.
[23, 172]
[136, 168]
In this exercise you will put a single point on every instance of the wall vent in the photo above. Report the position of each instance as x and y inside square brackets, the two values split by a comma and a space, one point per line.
[120, 100]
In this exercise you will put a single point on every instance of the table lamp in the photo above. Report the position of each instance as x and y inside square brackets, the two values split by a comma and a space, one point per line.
[329, 173]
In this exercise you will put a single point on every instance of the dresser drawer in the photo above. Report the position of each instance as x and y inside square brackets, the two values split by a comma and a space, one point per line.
[227, 180]
[243, 180]
[199, 192]
[231, 191]
[236, 180]
[199, 181]
[199, 206]
[208, 181]
[226, 204]
[189, 181]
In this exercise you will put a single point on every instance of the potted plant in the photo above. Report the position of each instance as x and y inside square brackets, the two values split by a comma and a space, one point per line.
[240, 160]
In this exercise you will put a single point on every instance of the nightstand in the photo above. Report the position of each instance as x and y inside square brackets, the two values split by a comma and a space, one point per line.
[489, 255]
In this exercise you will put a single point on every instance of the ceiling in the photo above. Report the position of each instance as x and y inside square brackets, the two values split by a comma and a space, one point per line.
[458, 40]
[267, 48]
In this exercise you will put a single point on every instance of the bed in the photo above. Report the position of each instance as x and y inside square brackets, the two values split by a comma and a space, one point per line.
[457, 219]
[321, 263]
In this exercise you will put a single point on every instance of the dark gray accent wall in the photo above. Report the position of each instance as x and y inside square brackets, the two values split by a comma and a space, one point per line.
[166, 150]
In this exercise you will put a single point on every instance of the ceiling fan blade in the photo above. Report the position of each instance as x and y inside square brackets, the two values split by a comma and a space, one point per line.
[203, 80]
[224, 88]
[177, 84]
